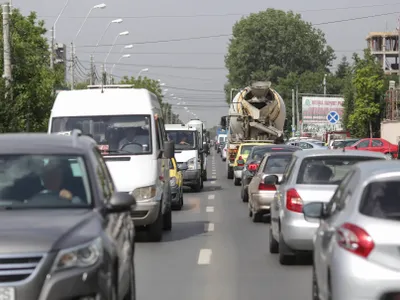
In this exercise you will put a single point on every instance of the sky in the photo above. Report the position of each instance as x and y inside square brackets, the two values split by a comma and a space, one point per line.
[194, 70]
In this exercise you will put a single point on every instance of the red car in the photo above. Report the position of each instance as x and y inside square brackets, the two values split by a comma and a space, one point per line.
[376, 145]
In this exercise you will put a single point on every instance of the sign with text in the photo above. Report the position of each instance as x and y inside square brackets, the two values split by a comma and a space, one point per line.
[315, 112]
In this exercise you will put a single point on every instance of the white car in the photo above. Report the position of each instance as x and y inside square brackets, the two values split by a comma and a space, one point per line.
[224, 151]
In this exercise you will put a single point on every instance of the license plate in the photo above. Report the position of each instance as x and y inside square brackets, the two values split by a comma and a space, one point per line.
[7, 293]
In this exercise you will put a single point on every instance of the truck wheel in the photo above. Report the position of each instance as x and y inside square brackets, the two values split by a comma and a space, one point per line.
[167, 220]
[205, 175]
[155, 230]
[236, 181]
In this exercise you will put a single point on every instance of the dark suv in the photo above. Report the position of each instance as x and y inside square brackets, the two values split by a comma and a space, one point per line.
[65, 232]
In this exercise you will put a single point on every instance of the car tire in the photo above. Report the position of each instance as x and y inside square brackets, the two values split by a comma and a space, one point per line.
[273, 243]
[245, 196]
[131, 295]
[205, 175]
[257, 217]
[389, 156]
[167, 220]
[197, 187]
[236, 181]
[250, 212]
[230, 173]
[155, 230]
[180, 204]
[315, 290]
[285, 258]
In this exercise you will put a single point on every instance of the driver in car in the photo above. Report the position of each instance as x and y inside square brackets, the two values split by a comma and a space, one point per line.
[129, 138]
[184, 141]
[53, 179]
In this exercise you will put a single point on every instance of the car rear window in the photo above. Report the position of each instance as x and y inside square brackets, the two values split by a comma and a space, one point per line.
[381, 200]
[277, 164]
[246, 149]
[259, 153]
[327, 169]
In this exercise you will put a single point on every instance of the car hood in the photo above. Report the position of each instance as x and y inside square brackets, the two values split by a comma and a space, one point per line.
[44, 230]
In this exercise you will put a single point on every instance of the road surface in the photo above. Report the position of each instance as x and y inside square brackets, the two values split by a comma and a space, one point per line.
[215, 252]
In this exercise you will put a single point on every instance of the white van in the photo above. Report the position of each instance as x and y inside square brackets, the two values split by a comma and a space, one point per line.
[187, 153]
[199, 125]
[128, 126]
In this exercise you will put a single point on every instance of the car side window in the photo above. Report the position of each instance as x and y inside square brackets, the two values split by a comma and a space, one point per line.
[158, 135]
[363, 144]
[103, 175]
[337, 201]
[261, 165]
[288, 170]
[377, 143]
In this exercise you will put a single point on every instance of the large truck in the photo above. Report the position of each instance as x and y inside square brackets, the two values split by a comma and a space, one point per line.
[257, 114]
[203, 145]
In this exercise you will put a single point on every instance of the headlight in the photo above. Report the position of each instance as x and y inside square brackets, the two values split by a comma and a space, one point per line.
[81, 256]
[192, 163]
[172, 181]
[144, 193]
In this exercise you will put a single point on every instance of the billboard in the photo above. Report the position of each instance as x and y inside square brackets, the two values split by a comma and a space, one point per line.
[321, 114]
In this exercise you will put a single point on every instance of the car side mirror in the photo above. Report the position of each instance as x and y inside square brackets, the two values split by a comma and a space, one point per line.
[169, 149]
[271, 179]
[121, 202]
[183, 167]
[355, 147]
[315, 210]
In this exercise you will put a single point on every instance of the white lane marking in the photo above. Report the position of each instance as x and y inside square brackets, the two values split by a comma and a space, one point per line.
[210, 209]
[213, 177]
[204, 257]
[209, 227]
[211, 197]
[212, 182]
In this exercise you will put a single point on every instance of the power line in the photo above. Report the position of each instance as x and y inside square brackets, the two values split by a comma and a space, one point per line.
[357, 18]
[219, 15]
[194, 90]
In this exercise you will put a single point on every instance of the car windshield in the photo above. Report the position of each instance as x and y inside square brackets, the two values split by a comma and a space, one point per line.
[327, 169]
[258, 153]
[184, 140]
[277, 164]
[116, 135]
[43, 181]
[381, 200]
[246, 149]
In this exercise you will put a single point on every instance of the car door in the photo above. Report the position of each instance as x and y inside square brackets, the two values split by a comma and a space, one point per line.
[163, 164]
[119, 226]
[377, 146]
[255, 181]
[326, 232]
[364, 145]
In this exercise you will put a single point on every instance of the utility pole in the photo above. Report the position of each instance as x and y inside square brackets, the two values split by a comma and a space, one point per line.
[293, 114]
[103, 75]
[91, 70]
[72, 66]
[52, 48]
[7, 45]
[324, 83]
[297, 108]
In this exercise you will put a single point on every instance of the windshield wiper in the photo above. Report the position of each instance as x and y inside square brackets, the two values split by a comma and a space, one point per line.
[117, 151]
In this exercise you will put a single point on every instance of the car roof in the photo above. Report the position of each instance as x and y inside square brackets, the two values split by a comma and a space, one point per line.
[276, 146]
[325, 152]
[277, 153]
[371, 169]
[43, 143]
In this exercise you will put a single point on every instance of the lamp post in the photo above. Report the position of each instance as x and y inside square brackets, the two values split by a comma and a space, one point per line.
[123, 56]
[142, 70]
[123, 33]
[126, 47]
[53, 35]
[98, 6]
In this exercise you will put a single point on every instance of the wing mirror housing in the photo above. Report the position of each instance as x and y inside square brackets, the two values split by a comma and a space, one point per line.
[183, 167]
[121, 202]
[315, 210]
[169, 149]
[271, 180]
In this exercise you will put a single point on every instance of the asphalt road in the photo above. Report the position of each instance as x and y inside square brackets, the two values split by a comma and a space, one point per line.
[215, 252]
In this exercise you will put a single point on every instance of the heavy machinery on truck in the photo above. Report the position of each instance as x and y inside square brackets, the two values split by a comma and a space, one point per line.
[257, 114]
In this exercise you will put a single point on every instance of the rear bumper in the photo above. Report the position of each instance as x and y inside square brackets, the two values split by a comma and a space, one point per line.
[261, 201]
[237, 173]
[297, 232]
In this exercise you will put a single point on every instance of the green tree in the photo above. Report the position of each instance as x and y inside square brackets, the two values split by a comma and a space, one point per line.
[31, 98]
[271, 44]
[368, 87]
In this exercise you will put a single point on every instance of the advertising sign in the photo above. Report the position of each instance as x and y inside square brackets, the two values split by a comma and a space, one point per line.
[321, 114]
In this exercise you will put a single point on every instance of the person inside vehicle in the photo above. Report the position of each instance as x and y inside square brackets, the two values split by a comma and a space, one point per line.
[129, 137]
[53, 180]
[184, 141]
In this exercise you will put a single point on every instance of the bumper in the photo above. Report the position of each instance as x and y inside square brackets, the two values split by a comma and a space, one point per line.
[191, 177]
[355, 278]
[175, 193]
[297, 232]
[261, 201]
[67, 284]
[145, 213]
[237, 173]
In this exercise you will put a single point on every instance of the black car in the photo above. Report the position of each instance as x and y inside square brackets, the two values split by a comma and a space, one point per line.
[66, 233]
[253, 160]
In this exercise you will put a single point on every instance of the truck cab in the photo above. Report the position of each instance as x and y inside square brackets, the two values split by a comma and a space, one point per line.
[188, 153]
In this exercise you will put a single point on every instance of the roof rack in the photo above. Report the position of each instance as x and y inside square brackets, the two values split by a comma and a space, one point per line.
[76, 133]
[111, 86]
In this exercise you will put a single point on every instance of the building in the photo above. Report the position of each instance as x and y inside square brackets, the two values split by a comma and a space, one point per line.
[384, 46]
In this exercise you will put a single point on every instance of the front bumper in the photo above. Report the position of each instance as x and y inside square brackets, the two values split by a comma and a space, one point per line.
[75, 283]
[146, 213]
[191, 177]
[175, 193]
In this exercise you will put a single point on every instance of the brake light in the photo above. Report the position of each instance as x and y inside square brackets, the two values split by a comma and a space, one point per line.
[266, 187]
[355, 239]
[293, 201]
[252, 167]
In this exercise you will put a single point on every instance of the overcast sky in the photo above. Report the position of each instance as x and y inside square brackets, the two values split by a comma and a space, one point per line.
[195, 68]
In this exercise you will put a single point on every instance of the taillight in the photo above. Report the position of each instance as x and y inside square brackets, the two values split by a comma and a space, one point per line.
[266, 187]
[355, 239]
[252, 167]
[293, 201]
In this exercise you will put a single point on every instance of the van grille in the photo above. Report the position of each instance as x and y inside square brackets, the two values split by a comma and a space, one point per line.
[17, 268]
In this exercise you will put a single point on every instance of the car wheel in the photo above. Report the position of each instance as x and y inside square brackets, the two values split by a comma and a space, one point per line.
[155, 230]
[230, 173]
[180, 204]
[315, 290]
[205, 175]
[285, 258]
[236, 181]
[257, 217]
[389, 156]
[273, 243]
[250, 212]
[197, 187]
[245, 196]
[131, 295]
[167, 220]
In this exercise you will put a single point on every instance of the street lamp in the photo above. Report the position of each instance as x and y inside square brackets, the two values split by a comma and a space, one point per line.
[141, 71]
[123, 33]
[116, 21]
[126, 47]
[98, 6]
[53, 35]
[123, 56]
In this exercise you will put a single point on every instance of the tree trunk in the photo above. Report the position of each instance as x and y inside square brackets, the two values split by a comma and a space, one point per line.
[370, 129]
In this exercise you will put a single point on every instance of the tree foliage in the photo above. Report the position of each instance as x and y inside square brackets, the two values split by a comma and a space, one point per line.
[272, 44]
[30, 100]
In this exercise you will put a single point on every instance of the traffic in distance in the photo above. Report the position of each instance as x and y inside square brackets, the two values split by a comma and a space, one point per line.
[117, 204]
